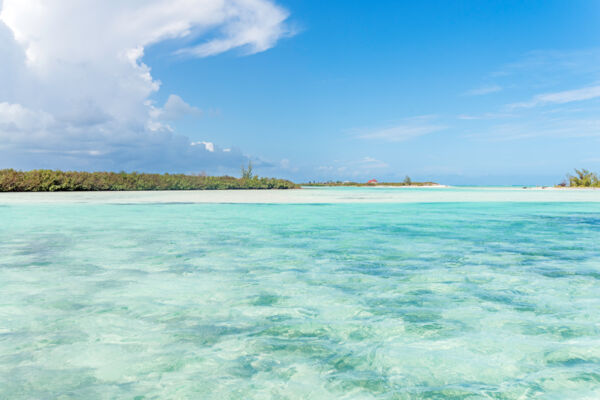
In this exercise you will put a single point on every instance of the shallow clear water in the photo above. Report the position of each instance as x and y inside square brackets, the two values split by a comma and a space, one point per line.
[449, 300]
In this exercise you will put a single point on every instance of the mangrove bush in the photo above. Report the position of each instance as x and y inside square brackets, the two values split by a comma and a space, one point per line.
[44, 180]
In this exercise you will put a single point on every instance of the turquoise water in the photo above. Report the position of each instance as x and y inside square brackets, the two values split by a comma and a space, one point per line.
[451, 300]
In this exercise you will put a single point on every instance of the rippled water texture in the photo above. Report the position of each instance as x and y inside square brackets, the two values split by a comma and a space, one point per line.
[447, 300]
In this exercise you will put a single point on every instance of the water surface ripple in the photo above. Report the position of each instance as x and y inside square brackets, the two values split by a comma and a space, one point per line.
[446, 300]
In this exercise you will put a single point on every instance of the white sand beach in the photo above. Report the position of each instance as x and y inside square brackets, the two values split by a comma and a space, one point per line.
[312, 196]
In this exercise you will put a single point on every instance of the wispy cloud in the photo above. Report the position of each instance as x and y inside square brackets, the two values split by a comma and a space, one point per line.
[567, 96]
[409, 128]
[550, 64]
[353, 169]
[558, 103]
[480, 91]
[525, 128]
[484, 116]
[592, 160]
[371, 163]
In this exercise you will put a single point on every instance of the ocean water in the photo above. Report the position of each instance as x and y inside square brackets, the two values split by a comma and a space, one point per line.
[421, 296]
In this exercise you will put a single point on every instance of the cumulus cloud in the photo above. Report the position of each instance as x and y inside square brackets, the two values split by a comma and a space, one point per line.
[175, 107]
[18, 119]
[208, 146]
[75, 92]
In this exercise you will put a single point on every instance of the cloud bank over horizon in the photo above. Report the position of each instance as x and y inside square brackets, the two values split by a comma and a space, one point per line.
[75, 93]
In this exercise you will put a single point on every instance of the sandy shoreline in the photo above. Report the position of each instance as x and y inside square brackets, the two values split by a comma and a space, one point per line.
[437, 185]
[560, 188]
[314, 195]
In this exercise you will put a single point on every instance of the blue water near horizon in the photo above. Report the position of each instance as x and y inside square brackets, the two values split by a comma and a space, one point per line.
[464, 300]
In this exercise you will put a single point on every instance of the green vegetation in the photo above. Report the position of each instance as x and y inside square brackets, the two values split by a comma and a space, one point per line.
[582, 178]
[44, 180]
[407, 182]
[247, 172]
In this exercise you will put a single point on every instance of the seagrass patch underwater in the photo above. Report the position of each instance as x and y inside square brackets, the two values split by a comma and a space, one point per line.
[232, 301]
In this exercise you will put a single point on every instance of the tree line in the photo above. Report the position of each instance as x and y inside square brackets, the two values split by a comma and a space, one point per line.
[45, 180]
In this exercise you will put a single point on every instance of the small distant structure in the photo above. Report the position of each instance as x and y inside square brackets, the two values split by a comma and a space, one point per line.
[372, 181]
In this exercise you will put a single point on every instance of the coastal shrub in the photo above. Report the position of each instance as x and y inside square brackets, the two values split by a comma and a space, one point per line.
[44, 180]
[583, 178]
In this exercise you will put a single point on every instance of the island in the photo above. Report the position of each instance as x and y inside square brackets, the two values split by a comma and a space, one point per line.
[375, 183]
[44, 180]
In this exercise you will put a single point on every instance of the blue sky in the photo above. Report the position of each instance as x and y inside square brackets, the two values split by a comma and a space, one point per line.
[461, 92]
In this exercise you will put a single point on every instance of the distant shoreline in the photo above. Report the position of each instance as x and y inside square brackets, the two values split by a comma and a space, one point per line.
[378, 184]
[433, 185]
[561, 188]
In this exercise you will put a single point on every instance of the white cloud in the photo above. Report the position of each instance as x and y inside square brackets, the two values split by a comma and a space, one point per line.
[567, 96]
[410, 128]
[544, 66]
[484, 116]
[551, 113]
[208, 146]
[18, 119]
[285, 165]
[72, 80]
[371, 163]
[528, 128]
[353, 168]
[173, 109]
[484, 90]
[243, 31]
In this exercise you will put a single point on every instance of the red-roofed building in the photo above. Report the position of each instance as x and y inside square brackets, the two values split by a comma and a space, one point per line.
[372, 181]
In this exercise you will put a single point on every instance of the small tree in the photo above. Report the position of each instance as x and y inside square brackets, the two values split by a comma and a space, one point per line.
[407, 180]
[247, 172]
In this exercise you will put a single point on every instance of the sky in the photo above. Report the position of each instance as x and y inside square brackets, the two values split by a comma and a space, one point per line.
[457, 92]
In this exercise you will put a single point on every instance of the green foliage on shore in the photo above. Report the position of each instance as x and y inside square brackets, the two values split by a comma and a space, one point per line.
[582, 178]
[44, 180]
